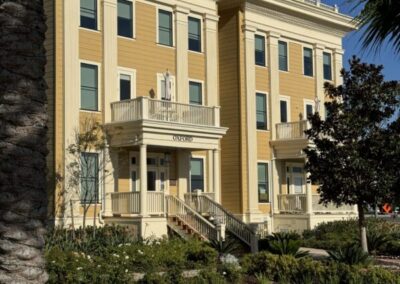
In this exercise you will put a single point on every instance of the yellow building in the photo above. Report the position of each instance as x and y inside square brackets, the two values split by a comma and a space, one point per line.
[166, 79]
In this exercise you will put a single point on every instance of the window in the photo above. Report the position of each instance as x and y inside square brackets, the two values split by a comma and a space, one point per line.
[196, 174]
[260, 50]
[263, 195]
[284, 110]
[89, 87]
[165, 27]
[124, 87]
[309, 110]
[89, 14]
[327, 66]
[195, 93]
[125, 18]
[194, 34]
[261, 111]
[283, 56]
[89, 178]
[308, 61]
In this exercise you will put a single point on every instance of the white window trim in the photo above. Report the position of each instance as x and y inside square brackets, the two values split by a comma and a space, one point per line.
[203, 101]
[269, 172]
[267, 110]
[288, 55]
[305, 103]
[312, 58]
[169, 9]
[133, 21]
[100, 177]
[290, 174]
[130, 72]
[265, 48]
[160, 77]
[332, 69]
[99, 84]
[98, 15]
[204, 173]
[287, 99]
[201, 33]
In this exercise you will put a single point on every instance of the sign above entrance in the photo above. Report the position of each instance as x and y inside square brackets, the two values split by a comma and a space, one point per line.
[182, 138]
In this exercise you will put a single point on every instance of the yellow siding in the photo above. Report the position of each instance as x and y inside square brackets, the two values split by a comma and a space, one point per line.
[263, 148]
[196, 66]
[264, 208]
[262, 79]
[295, 84]
[90, 45]
[143, 53]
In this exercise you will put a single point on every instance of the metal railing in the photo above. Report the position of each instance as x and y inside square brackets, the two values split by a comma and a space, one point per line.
[177, 208]
[291, 130]
[125, 202]
[292, 203]
[161, 110]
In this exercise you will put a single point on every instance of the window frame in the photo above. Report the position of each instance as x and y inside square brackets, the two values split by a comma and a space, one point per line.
[169, 10]
[312, 61]
[197, 157]
[268, 181]
[98, 177]
[203, 103]
[197, 17]
[305, 103]
[264, 64]
[99, 84]
[331, 66]
[130, 72]
[287, 56]
[287, 99]
[133, 2]
[98, 18]
[266, 110]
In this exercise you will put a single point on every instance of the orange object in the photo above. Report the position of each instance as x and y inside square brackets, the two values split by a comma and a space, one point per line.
[387, 208]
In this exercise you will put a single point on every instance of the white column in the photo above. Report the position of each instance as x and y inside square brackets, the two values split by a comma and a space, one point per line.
[309, 197]
[273, 64]
[211, 52]
[319, 77]
[110, 178]
[181, 42]
[183, 173]
[275, 185]
[143, 179]
[337, 66]
[217, 175]
[250, 83]
[110, 55]
[210, 171]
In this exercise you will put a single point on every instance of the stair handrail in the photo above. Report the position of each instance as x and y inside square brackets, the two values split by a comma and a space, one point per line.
[191, 217]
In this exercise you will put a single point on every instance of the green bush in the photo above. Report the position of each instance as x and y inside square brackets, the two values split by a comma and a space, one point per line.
[199, 253]
[208, 277]
[230, 272]
[351, 255]
[284, 244]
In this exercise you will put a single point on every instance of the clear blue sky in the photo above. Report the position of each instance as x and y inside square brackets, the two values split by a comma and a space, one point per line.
[352, 45]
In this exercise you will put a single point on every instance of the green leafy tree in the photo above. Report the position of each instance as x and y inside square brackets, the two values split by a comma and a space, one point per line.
[353, 152]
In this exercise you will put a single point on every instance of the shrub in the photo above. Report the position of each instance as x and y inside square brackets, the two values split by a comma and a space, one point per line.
[285, 244]
[376, 240]
[228, 246]
[207, 277]
[230, 272]
[350, 255]
[198, 253]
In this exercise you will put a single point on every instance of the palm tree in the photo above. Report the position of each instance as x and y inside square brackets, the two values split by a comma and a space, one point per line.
[23, 130]
[380, 21]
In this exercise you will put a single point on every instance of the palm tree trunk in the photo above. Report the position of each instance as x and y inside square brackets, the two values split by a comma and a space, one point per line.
[23, 131]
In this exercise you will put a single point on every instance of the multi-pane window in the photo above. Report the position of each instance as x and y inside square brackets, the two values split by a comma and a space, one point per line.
[124, 87]
[89, 14]
[89, 192]
[195, 93]
[259, 50]
[194, 34]
[125, 18]
[89, 87]
[283, 56]
[309, 110]
[308, 61]
[196, 174]
[263, 195]
[284, 110]
[261, 111]
[165, 28]
[327, 66]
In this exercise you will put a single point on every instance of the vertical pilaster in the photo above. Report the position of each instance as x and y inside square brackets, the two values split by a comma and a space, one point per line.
[182, 43]
[275, 185]
[110, 55]
[337, 66]
[273, 64]
[210, 171]
[211, 52]
[319, 77]
[143, 179]
[217, 175]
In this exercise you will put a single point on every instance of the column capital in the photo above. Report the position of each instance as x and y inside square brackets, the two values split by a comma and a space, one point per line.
[272, 34]
[210, 17]
[249, 28]
[112, 3]
[338, 51]
[181, 10]
[318, 46]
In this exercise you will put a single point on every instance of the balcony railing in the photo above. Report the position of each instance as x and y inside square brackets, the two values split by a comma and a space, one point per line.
[129, 203]
[291, 130]
[160, 110]
[319, 3]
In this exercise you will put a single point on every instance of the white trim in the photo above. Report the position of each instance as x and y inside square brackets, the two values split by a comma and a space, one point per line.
[288, 53]
[99, 84]
[264, 35]
[203, 96]
[133, 21]
[205, 177]
[305, 103]
[160, 77]
[312, 60]
[332, 67]
[287, 99]
[171, 10]
[266, 108]
[130, 72]
[100, 177]
[98, 17]
[202, 39]
[269, 179]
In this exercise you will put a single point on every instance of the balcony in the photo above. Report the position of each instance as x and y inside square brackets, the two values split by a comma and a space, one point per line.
[144, 108]
[291, 130]
[128, 203]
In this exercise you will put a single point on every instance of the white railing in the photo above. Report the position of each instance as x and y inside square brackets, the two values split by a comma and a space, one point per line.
[291, 130]
[329, 208]
[125, 202]
[319, 3]
[292, 203]
[177, 208]
[155, 202]
[160, 110]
